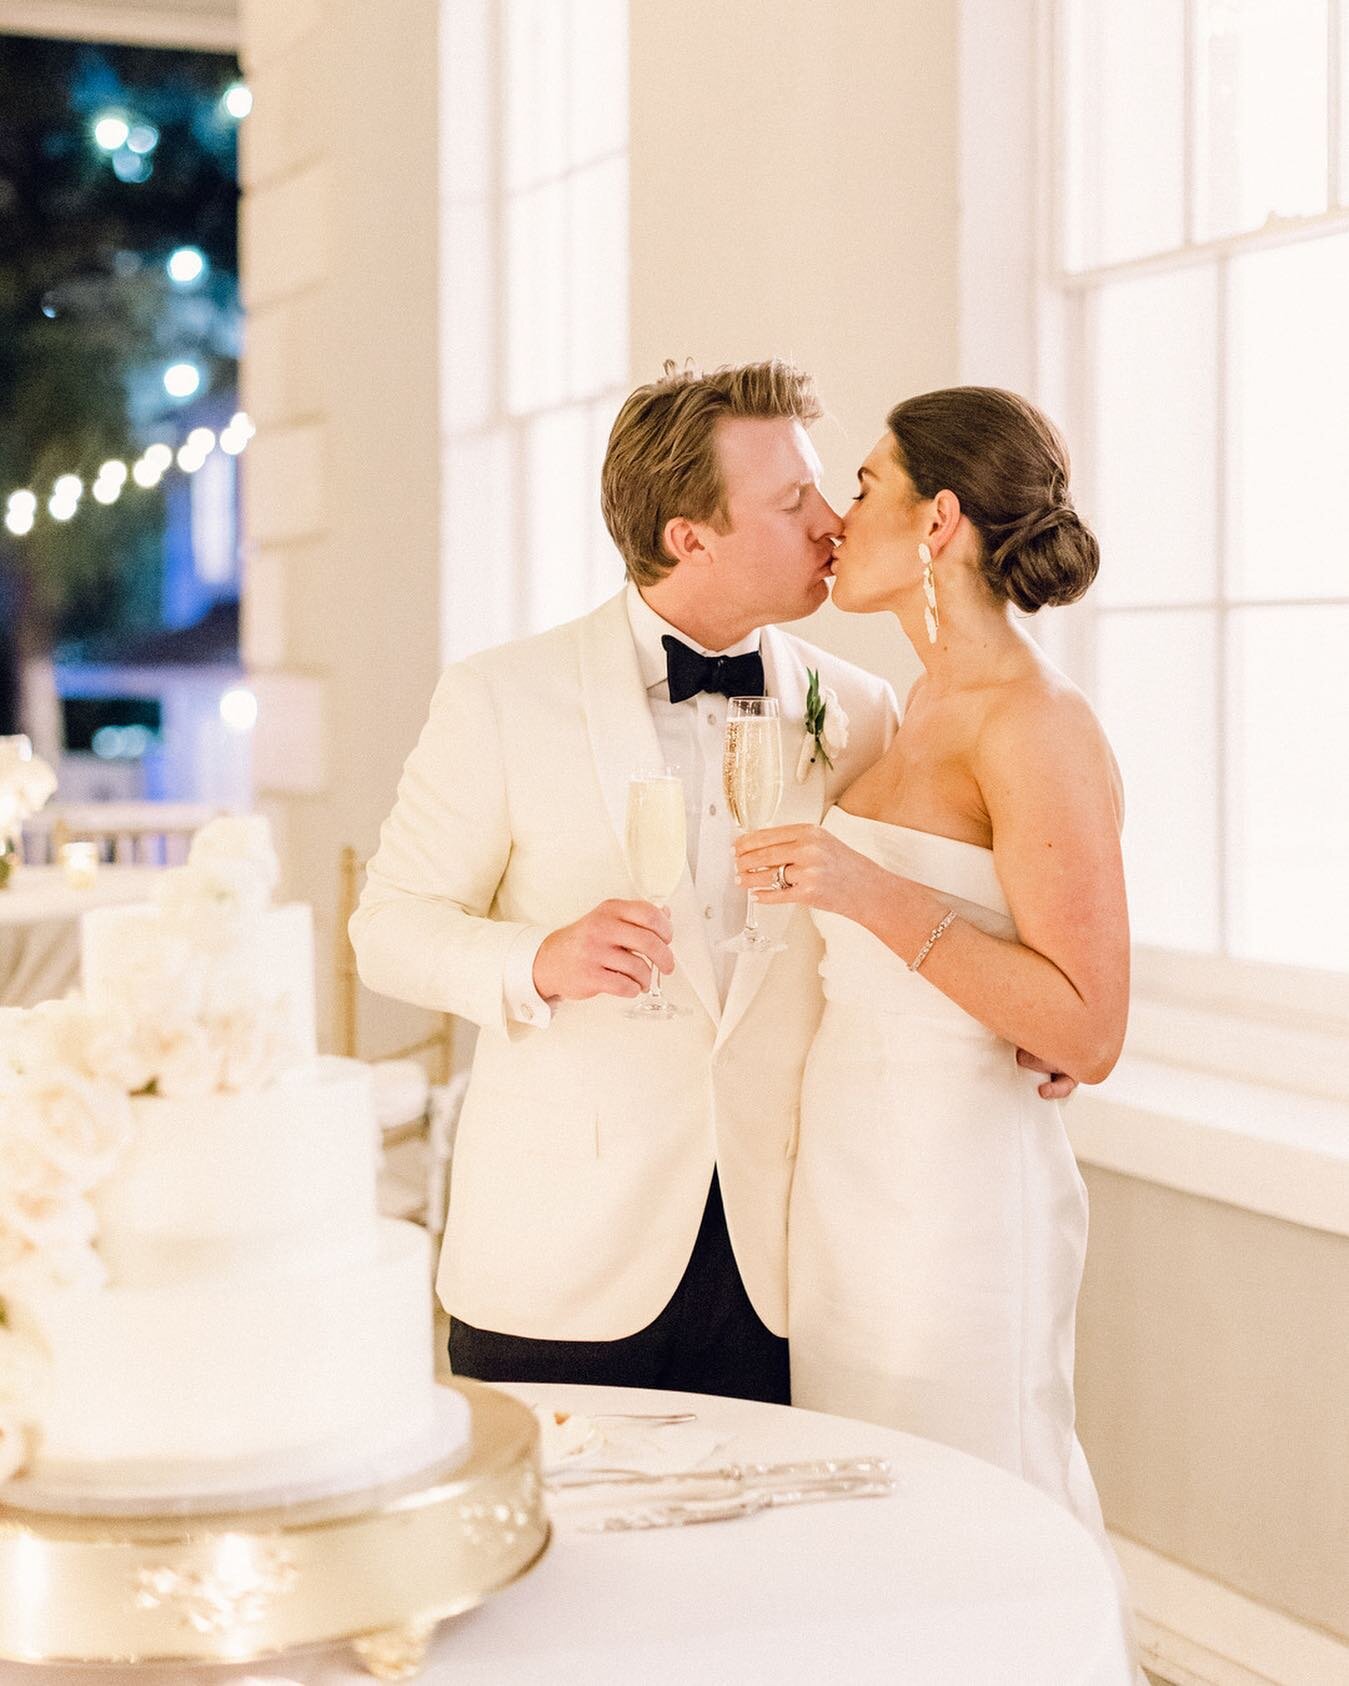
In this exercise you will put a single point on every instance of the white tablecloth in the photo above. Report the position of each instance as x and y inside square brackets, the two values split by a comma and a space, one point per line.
[40, 926]
[964, 1577]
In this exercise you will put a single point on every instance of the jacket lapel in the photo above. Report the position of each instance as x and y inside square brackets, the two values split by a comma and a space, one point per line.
[802, 804]
[623, 740]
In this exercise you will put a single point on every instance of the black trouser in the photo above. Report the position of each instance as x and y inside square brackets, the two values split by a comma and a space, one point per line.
[707, 1340]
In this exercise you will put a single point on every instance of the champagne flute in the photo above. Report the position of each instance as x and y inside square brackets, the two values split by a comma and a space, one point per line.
[657, 851]
[751, 772]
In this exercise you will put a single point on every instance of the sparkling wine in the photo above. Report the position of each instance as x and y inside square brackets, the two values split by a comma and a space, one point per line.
[656, 845]
[752, 771]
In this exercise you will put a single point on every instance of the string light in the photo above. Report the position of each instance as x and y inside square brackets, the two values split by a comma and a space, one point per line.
[111, 131]
[22, 506]
[181, 380]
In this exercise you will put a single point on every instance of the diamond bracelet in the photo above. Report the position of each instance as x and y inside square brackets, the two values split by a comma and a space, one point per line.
[938, 931]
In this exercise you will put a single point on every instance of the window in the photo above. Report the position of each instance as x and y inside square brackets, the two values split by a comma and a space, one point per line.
[1202, 259]
[534, 350]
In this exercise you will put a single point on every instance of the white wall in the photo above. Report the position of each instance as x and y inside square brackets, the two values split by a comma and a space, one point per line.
[794, 193]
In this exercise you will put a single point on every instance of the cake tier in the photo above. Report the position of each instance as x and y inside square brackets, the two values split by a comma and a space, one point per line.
[243, 1184]
[135, 957]
[225, 1382]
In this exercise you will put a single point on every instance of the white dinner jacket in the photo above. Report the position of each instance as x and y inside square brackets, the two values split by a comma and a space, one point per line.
[585, 1148]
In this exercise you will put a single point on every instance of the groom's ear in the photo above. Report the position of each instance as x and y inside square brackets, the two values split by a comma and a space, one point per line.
[683, 541]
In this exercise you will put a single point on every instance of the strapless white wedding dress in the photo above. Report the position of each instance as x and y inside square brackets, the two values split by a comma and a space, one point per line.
[938, 1221]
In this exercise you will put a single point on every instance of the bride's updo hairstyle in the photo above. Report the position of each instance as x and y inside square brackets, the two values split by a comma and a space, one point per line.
[1008, 465]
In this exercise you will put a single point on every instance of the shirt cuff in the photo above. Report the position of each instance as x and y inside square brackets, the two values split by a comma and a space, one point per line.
[523, 1002]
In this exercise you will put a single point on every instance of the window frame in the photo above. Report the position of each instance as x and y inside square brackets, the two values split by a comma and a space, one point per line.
[1266, 992]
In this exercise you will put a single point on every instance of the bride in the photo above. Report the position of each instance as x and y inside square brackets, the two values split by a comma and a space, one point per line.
[969, 891]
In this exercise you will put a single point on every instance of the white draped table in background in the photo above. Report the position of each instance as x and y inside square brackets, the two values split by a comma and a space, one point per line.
[963, 1577]
[40, 926]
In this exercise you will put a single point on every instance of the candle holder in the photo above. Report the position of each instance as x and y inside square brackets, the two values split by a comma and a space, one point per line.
[79, 862]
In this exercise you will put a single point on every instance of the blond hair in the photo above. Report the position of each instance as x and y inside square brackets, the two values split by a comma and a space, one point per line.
[661, 461]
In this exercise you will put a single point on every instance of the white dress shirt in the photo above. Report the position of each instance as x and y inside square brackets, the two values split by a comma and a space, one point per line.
[691, 736]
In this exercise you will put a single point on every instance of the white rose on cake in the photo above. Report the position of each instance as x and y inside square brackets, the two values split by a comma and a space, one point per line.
[183, 1057]
[78, 1125]
[254, 1045]
[48, 1244]
[244, 838]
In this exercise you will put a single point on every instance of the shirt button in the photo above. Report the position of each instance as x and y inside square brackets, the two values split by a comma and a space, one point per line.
[711, 719]
[707, 913]
[711, 807]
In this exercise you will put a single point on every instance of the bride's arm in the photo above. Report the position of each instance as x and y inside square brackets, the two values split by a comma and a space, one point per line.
[1048, 779]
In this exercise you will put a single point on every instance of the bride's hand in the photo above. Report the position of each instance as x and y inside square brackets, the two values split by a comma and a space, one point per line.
[816, 869]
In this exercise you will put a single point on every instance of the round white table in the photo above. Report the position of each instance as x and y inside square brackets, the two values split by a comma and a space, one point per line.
[40, 926]
[963, 1577]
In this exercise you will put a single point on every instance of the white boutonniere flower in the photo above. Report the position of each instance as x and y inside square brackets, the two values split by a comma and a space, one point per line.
[826, 727]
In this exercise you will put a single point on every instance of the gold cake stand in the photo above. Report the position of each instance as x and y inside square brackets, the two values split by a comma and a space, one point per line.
[378, 1568]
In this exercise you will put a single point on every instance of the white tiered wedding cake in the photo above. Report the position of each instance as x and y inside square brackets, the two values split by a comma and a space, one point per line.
[196, 1295]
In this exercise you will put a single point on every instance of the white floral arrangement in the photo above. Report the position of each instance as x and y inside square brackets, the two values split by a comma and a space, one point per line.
[226, 885]
[26, 783]
[191, 1024]
[66, 1121]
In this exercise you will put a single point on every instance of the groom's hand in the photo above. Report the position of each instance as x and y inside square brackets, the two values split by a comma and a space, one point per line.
[1059, 1086]
[610, 951]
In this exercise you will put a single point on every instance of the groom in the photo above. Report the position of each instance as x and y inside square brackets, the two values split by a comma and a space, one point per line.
[618, 1204]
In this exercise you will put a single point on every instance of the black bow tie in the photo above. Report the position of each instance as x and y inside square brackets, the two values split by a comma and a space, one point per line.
[690, 672]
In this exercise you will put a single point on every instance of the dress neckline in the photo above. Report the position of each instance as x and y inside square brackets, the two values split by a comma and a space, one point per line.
[913, 830]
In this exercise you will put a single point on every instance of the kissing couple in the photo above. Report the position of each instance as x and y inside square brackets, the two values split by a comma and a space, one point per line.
[828, 1177]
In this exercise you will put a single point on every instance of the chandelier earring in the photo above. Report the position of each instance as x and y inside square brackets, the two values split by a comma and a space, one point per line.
[930, 620]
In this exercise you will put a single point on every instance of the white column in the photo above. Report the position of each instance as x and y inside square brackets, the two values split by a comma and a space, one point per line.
[342, 482]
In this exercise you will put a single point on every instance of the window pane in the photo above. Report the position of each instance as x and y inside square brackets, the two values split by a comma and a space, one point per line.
[558, 489]
[1125, 129]
[1153, 427]
[597, 240]
[1260, 118]
[1287, 435]
[1288, 820]
[479, 593]
[465, 100]
[1155, 690]
[536, 321]
[606, 565]
[468, 315]
[597, 104]
[535, 91]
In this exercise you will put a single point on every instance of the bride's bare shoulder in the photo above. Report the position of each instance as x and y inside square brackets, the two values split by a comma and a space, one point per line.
[1040, 725]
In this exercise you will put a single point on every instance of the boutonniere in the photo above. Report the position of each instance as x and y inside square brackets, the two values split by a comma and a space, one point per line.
[826, 727]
